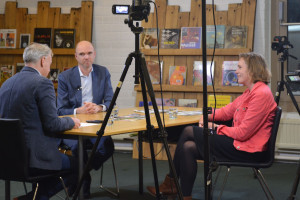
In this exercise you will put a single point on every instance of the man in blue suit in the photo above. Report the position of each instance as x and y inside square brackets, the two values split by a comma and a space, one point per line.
[30, 97]
[86, 88]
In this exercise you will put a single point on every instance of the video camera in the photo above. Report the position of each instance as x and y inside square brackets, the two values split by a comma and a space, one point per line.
[138, 11]
[281, 44]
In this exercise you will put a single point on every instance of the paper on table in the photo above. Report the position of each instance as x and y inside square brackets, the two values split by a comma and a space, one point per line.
[87, 124]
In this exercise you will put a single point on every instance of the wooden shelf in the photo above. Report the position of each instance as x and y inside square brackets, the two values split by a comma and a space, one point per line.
[20, 51]
[194, 52]
[184, 88]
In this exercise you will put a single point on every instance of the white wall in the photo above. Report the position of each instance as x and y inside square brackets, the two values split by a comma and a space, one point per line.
[113, 39]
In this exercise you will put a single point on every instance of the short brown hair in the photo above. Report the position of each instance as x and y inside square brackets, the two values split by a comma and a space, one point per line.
[257, 67]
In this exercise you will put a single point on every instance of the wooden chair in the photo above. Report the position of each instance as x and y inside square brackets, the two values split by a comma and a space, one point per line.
[256, 166]
[14, 158]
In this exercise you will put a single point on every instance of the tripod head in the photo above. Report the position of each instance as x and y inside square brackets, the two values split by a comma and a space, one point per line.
[282, 45]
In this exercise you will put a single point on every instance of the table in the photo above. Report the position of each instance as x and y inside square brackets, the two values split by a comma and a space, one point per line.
[125, 126]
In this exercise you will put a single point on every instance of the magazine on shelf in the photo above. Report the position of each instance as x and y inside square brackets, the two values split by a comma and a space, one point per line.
[43, 36]
[190, 38]
[8, 38]
[221, 101]
[24, 40]
[210, 36]
[64, 38]
[154, 69]
[53, 75]
[148, 39]
[19, 67]
[6, 71]
[177, 75]
[169, 38]
[198, 72]
[229, 77]
[236, 36]
[167, 101]
[187, 103]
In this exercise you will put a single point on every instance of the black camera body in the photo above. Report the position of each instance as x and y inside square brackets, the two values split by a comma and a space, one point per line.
[138, 11]
[281, 44]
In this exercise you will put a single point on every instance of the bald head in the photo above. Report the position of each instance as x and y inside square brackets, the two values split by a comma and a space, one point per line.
[85, 55]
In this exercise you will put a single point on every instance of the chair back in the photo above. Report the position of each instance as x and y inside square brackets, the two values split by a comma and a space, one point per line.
[272, 140]
[13, 150]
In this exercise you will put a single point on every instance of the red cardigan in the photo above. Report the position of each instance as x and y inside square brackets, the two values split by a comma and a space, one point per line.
[253, 115]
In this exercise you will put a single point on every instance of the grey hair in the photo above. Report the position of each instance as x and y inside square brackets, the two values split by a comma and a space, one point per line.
[36, 51]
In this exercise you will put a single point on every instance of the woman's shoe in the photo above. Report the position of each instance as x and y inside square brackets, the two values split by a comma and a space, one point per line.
[168, 187]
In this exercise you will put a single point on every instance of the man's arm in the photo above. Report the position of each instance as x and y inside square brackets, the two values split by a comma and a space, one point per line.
[108, 91]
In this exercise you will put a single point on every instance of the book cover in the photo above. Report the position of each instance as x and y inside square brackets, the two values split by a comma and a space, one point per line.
[43, 36]
[24, 40]
[210, 36]
[148, 39]
[221, 101]
[198, 72]
[177, 75]
[64, 38]
[236, 37]
[154, 71]
[169, 38]
[8, 38]
[53, 75]
[167, 101]
[187, 103]
[229, 77]
[190, 38]
[19, 67]
[7, 71]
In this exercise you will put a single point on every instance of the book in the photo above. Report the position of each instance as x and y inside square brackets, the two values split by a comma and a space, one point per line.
[221, 101]
[24, 40]
[43, 36]
[169, 38]
[148, 39]
[190, 38]
[8, 38]
[236, 36]
[187, 103]
[210, 36]
[198, 72]
[19, 67]
[64, 38]
[53, 75]
[6, 72]
[229, 77]
[177, 75]
[166, 102]
[154, 71]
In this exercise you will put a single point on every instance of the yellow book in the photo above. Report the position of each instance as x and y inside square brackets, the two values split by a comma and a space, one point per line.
[222, 100]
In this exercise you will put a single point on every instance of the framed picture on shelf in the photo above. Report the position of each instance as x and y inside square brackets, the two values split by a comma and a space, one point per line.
[24, 40]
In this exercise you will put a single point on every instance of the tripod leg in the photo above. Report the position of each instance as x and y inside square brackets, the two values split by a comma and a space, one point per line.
[101, 131]
[146, 77]
[292, 96]
[295, 185]
[278, 92]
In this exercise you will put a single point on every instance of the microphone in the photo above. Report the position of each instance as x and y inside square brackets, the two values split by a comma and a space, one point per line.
[79, 88]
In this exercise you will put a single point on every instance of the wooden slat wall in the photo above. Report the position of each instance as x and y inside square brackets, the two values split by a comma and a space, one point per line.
[237, 14]
[47, 17]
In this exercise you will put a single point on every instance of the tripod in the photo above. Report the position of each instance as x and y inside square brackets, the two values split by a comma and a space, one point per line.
[295, 185]
[142, 73]
[283, 83]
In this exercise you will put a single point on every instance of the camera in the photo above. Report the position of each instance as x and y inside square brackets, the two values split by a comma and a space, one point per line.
[281, 44]
[138, 11]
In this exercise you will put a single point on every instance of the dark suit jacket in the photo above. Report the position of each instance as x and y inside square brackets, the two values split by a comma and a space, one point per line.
[69, 95]
[31, 97]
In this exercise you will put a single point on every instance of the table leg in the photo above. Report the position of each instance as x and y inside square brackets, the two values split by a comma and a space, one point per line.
[140, 149]
[80, 163]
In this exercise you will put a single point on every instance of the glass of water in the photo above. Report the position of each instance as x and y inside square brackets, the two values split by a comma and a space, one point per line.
[115, 111]
[110, 120]
[173, 113]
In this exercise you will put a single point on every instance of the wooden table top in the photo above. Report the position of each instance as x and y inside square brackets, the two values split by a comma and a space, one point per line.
[127, 126]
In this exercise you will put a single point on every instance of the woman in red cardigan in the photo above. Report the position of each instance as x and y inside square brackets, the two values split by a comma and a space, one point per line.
[252, 113]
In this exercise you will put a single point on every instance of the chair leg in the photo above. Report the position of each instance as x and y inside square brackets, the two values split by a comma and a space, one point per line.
[65, 188]
[35, 191]
[224, 183]
[116, 194]
[263, 183]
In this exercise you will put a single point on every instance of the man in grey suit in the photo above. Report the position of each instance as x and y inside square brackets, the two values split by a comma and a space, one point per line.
[87, 89]
[30, 97]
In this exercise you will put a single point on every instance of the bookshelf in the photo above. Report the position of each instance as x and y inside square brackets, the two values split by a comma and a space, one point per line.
[241, 14]
[79, 19]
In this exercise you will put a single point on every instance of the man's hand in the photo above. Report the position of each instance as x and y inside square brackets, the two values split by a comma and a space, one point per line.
[89, 108]
[76, 121]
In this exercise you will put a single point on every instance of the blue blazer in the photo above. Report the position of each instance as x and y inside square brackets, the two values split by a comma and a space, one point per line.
[30, 97]
[69, 94]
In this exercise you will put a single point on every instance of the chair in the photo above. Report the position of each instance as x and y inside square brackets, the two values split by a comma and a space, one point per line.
[14, 158]
[256, 166]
